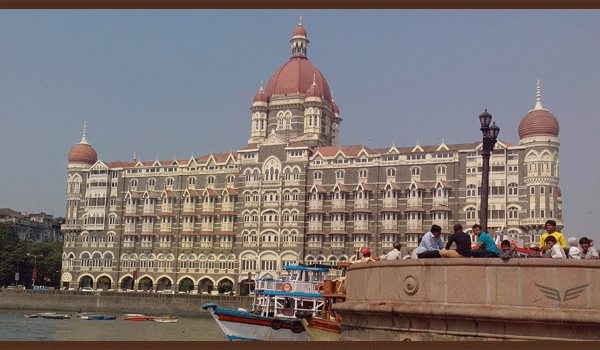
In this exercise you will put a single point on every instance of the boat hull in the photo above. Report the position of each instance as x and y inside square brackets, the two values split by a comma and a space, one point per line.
[321, 330]
[239, 325]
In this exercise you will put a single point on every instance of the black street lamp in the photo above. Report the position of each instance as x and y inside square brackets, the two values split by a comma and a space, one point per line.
[34, 274]
[490, 134]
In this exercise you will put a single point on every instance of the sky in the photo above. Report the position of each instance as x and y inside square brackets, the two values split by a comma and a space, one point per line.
[180, 83]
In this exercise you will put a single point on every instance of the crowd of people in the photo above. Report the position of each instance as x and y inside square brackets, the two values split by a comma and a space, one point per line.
[552, 245]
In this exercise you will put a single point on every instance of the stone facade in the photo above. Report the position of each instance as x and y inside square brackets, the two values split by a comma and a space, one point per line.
[293, 193]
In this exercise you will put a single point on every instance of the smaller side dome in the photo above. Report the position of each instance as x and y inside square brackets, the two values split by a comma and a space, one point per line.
[260, 96]
[336, 109]
[314, 90]
[83, 153]
[558, 192]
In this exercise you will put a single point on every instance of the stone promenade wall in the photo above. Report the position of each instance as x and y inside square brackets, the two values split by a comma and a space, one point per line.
[146, 303]
[468, 298]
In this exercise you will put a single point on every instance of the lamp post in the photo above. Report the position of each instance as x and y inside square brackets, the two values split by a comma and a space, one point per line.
[34, 275]
[490, 134]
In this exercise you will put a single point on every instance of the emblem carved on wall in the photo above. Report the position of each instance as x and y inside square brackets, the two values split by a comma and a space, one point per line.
[411, 285]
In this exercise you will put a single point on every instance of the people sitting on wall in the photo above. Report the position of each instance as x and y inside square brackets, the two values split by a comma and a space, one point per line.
[431, 244]
[365, 256]
[587, 251]
[486, 248]
[393, 254]
[551, 231]
[574, 251]
[507, 250]
[413, 255]
[554, 250]
[463, 244]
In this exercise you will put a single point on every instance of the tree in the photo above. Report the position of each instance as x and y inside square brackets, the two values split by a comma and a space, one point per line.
[12, 253]
[57, 222]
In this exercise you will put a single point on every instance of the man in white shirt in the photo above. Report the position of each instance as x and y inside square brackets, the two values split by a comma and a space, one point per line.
[555, 251]
[394, 254]
[431, 244]
[574, 251]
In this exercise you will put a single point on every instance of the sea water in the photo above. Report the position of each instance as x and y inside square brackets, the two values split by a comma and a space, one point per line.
[15, 327]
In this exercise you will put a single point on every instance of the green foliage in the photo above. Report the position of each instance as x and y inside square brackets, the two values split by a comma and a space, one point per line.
[187, 285]
[225, 287]
[16, 254]
[244, 292]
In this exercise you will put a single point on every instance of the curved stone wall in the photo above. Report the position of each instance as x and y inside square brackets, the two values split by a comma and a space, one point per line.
[465, 298]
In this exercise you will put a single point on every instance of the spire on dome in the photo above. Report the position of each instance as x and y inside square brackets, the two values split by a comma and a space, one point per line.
[314, 79]
[538, 102]
[83, 139]
[261, 85]
[299, 41]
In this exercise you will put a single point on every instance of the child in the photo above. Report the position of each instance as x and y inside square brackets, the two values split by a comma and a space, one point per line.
[574, 251]
[507, 250]
[555, 251]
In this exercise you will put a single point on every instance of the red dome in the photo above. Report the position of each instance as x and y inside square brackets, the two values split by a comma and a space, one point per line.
[296, 76]
[538, 123]
[558, 192]
[313, 91]
[83, 153]
[335, 108]
[260, 96]
[299, 31]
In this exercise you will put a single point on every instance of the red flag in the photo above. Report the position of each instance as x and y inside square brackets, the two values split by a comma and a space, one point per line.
[34, 274]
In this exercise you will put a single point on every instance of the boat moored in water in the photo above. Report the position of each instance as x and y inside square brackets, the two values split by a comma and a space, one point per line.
[276, 302]
[164, 319]
[135, 317]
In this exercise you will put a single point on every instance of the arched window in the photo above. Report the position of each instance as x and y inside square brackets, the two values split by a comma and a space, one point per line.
[471, 190]
[513, 212]
[133, 183]
[513, 189]
[191, 180]
[339, 174]
[415, 171]
[390, 172]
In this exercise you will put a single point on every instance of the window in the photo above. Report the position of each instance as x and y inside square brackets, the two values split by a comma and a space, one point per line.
[151, 182]
[550, 189]
[362, 173]
[542, 213]
[415, 171]
[441, 170]
[339, 174]
[513, 189]
[191, 180]
[391, 172]
[542, 189]
[318, 175]
[113, 201]
[471, 213]
[230, 179]
[133, 183]
[532, 190]
[471, 190]
[513, 212]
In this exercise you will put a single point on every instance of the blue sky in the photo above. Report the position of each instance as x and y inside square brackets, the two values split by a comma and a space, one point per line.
[165, 83]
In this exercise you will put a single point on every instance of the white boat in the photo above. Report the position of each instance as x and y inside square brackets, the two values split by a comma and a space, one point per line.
[135, 317]
[32, 315]
[164, 319]
[273, 315]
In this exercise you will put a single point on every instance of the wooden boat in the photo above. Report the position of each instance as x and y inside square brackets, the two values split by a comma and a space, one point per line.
[54, 316]
[165, 319]
[99, 318]
[276, 302]
[135, 317]
[30, 315]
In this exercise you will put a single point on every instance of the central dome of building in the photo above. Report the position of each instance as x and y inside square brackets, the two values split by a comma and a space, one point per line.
[296, 75]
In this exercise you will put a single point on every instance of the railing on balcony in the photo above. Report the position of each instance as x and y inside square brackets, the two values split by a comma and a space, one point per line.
[337, 244]
[390, 225]
[227, 226]
[338, 225]
[250, 244]
[414, 225]
[440, 201]
[317, 245]
[315, 205]
[415, 202]
[228, 206]
[390, 203]
[164, 245]
[269, 244]
[338, 204]
[315, 226]
[130, 209]
[187, 244]
[361, 204]
[226, 245]
[206, 244]
[208, 226]
[146, 245]
[128, 244]
[361, 225]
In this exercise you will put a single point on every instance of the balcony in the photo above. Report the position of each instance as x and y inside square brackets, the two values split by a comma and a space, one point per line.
[437, 201]
[164, 245]
[315, 226]
[315, 245]
[188, 226]
[414, 225]
[208, 245]
[287, 244]
[250, 244]
[129, 245]
[361, 226]
[387, 245]
[390, 225]
[315, 205]
[165, 227]
[269, 244]
[146, 245]
[226, 245]
[338, 226]
[227, 226]
[189, 208]
[71, 227]
[390, 203]
[339, 245]
[338, 204]
[228, 206]
[148, 209]
[131, 209]
[208, 226]
[359, 245]
[361, 204]
[187, 245]
[209, 207]
[414, 202]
